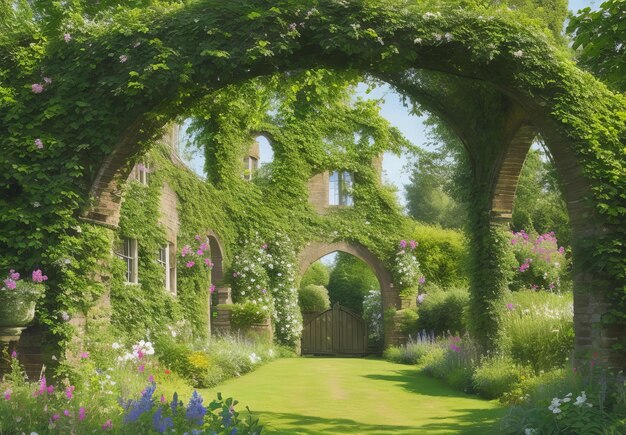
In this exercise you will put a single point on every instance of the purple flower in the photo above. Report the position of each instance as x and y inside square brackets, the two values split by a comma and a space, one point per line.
[66, 413]
[81, 413]
[455, 348]
[108, 425]
[135, 408]
[510, 306]
[37, 88]
[421, 297]
[84, 355]
[7, 394]
[402, 244]
[10, 284]
[67, 37]
[14, 275]
[55, 417]
[422, 280]
[69, 392]
[14, 354]
[212, 289]
[65, 316]
[190, 264]
[159, 423]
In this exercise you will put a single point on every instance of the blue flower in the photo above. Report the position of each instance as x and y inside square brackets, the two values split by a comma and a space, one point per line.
[195, 410]
[135, 408]
[161, 424]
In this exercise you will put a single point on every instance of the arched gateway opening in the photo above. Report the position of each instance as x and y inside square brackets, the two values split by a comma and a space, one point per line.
[519, 75]
[390, 297]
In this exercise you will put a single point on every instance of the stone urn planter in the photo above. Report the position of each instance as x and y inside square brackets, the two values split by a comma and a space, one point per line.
[18, 299]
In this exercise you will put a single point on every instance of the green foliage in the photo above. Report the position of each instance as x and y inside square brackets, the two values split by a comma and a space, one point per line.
[373, 315]
[538, 320]
[539, 205]
[497, 375]
[313, 298]
[350, 281]
[443, 311]
[453, 360]
[599, 36]
[413, 352]
[316, 274]
[247, 314]
[406, 320]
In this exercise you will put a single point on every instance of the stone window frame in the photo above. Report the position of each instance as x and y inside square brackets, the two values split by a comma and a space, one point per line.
[341, 195]
[128, 250]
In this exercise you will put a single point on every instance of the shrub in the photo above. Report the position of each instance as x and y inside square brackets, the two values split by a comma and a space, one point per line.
[496, 376]
[317, 274]
[454, 360]
[413, 352]
[442, 311]
[246, 314]
[541, 263]
[373, 315]
[313, 298]
[442, 255]
[537, 329]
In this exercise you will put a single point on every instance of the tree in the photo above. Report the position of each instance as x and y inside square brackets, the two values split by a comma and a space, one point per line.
[600, 37]
[316, 274]
[539, 205]
[350, 281]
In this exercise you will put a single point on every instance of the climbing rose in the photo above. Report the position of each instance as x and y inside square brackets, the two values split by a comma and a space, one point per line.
[190, 264]
[37, 88]
[14, 275]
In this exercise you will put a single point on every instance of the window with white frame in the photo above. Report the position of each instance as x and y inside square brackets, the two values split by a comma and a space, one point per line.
[127, 251]
[340, 188]
[169, 267]
[250, 165]
[143, 171]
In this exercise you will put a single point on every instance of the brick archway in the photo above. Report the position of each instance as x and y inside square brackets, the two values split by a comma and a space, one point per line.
[390, 297]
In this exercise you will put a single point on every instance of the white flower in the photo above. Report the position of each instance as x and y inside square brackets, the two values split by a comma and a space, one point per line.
[530, 431]
[581, 399]
[116, 346]
[518, 53]
[556, 410]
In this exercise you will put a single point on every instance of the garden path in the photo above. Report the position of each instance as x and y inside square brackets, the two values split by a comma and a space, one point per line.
[356, 395]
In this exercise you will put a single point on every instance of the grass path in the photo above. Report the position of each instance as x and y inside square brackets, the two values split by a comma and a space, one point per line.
[354, 395]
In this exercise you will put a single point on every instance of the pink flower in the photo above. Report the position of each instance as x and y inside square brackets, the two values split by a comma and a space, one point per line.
[38, 276]
[422, 280]
[212, 289]
[81, 413]
[141, 368]
[7, 394]
[197, 237]
[69, 392]
[162, 398]
[67, 37]
[200, 252]
[123, 58]
[14, 275]
[50, 389]
[84, 355]
[14, 354]
[190, 264]
[185, 251]
[37, 88]
[264, 246]
[455, 348]
[140, 354]
[66, 413]
[38, 143]
[151, 378]
[204, 247]
[510, 306]
[403, 244]
[208, 262]
[55, 417]
[10, 284]
[42, 386]
[413, 244]
[108, 425]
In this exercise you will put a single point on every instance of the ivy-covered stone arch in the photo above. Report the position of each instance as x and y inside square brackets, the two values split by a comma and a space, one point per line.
[101, 96]
[390, 296]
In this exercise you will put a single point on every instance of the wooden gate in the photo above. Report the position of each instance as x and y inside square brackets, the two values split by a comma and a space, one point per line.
[337, 331]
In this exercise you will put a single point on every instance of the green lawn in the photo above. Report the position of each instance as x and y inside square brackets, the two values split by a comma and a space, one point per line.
[354, 395]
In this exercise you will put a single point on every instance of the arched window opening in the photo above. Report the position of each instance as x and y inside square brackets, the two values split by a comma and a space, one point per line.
[258, 157]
